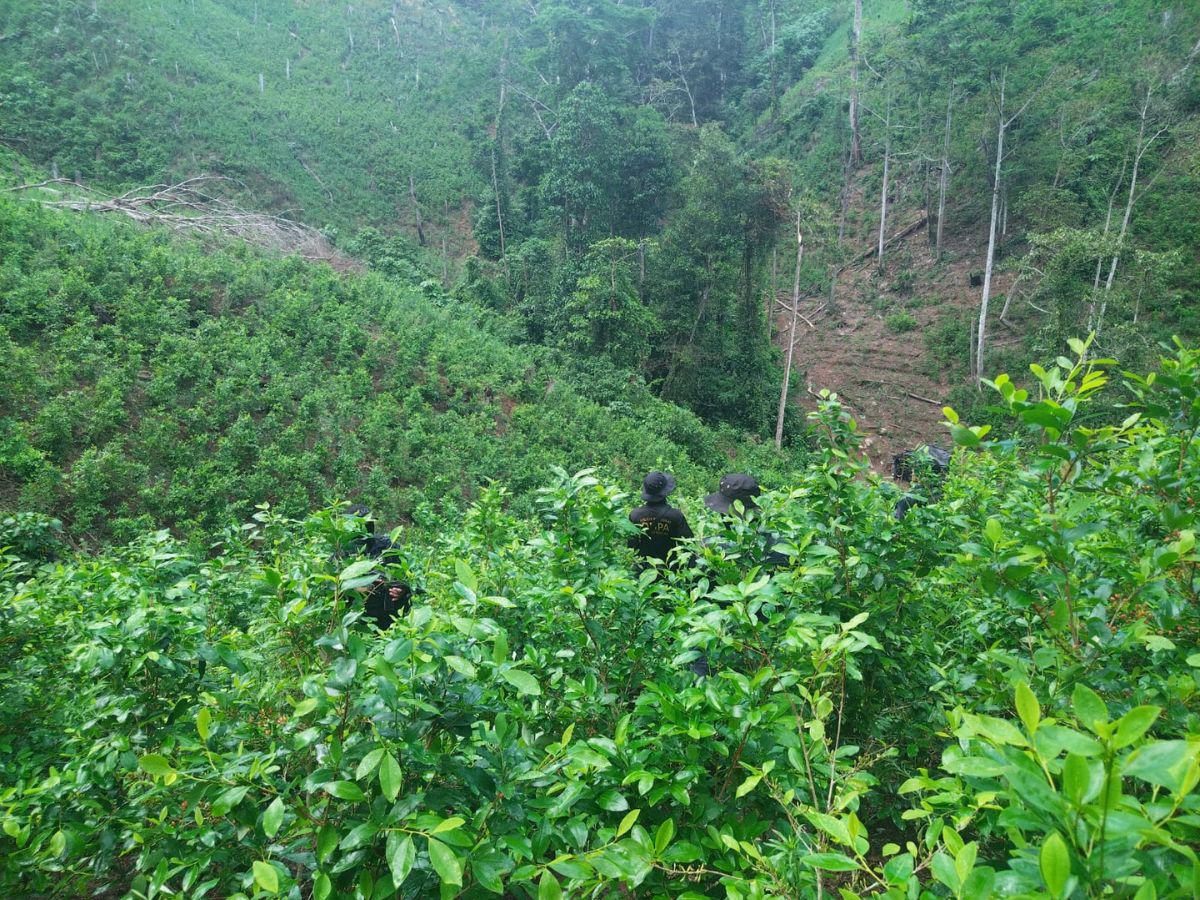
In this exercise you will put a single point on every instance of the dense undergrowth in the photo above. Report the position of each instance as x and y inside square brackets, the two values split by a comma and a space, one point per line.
[995, 696]
[149, 382]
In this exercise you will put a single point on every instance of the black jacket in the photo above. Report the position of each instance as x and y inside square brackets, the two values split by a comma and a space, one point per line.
[662, 525]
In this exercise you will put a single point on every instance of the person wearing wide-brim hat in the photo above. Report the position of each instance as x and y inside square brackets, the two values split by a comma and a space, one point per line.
[738, 488]
[661, 525]
[734, 488]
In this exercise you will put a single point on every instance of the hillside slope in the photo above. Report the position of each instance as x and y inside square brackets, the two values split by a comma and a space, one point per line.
[1077, 227]
[149, 382]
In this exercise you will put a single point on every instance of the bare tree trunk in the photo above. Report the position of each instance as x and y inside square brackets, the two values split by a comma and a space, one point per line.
[944, 175]
[981, 335]
[1112, 198]
[686, 89]
[773, 295]
[855, 46]
[883, 194]
[412, 195]
[497, 137]
[774, 70]
[1142, 146]
[787, 368]
[844, 202]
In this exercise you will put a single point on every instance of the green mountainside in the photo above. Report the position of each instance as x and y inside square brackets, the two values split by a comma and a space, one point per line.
[620, 180]
[151, 383]
[480, 265]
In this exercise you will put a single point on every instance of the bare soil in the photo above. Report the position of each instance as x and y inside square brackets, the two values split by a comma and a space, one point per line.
[887, 378]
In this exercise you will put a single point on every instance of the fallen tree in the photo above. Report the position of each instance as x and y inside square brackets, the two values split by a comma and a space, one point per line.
[196, 206]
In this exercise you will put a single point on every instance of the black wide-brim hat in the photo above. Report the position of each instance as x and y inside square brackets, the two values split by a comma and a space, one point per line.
[657, 486]
[734, 486]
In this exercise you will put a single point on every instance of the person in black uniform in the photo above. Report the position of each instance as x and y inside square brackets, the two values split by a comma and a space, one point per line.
[737, 487]
[383, 599]
[662, 525]
[733, 488]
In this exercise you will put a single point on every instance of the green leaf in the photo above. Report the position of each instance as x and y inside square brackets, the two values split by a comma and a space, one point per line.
[461, 666]
[58, 843]
[368, 763]
[304, 707]
[358, 573]
[1163, 763]
[1027, 707]
[832, 862]
[1134, 724]
[662, 837]
[613, 801]
[390, 777]
[944, 870]
[897, 871]
[548, 887]
[322, 887]
[273, 817]
[489, 867]
[1082, 779]
[1055, 863]
[522, 681]
[1089, 707]
[465, 576]
[156, 765]
[993, 531]
[748, 785]
[627, 822]
[448, 824]
[344, 790]
[327, 840]
[204, 723]
[445, 862]
[266, 877]
[401, 854]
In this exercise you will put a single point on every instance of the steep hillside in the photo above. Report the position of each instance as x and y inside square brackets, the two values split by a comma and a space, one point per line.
[1095, 220]
[149, 381]
[618, 181]
[343, 115]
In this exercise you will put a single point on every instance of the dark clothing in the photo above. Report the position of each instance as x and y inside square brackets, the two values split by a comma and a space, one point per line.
[373, 545]
[733, 488]
[905, 503]
[910, 462]
[662, 525]
[386, 600]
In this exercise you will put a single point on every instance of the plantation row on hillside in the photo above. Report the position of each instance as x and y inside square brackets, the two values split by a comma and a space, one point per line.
[995, 696]
[150, 383]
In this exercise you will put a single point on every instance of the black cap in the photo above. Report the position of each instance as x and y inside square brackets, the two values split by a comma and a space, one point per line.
[734, 486]
[657, 486]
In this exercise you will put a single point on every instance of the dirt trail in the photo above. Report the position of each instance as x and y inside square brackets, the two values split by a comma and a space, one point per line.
[885, 373]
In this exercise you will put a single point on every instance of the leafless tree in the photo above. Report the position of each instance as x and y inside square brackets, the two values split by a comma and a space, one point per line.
[855, 51]
[787, 368]
[1003, 123]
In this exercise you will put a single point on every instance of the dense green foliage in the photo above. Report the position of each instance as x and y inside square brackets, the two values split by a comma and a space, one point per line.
[573, 219]
[995, 696]
[148, 383]
[613, 168]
